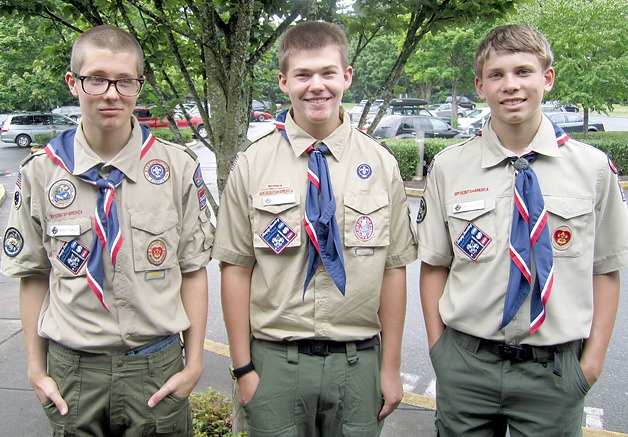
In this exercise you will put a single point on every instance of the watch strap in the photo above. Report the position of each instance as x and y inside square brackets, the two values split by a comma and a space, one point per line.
[241, 371]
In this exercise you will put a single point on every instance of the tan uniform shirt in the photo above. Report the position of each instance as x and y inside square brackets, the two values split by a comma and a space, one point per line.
[164, 220]
[268, 182]
[473, 183]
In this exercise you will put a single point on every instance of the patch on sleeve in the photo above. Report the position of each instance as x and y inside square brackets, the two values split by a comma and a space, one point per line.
[198, 176]
[431, 166]
[611, 164]
[278, 235]
[234, 163]
[472, 241]
[13, 242]
[422, 210]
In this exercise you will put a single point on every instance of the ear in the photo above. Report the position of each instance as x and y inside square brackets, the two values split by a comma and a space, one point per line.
[348, 77]
[283, 82]
[72, 82]
[549, 76]
[479, 87]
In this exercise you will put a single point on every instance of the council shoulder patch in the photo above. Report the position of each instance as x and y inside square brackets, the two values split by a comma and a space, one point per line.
[198, 176]
[420, 216]
[13, 242]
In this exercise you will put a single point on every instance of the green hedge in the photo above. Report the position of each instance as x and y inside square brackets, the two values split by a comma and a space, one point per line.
[43, 139]
[168, 135]
[211, 414]
[614, 144]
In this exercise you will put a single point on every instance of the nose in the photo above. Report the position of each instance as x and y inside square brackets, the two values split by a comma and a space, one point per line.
[111, 93]
[510, 83]
[316, 82]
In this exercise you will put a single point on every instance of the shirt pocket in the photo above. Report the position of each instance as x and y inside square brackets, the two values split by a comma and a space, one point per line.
[570, 220]
[70, 242]
[276, 222]
[473, 232]
[367, 220]
[155, 240]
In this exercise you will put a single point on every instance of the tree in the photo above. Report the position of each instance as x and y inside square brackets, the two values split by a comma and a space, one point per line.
[589, 39]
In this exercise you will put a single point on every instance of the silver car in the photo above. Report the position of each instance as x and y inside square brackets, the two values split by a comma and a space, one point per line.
[22, 128]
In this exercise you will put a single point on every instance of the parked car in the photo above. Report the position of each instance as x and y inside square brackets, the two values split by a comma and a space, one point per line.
[22, 128]
[146, 118]
[444, 111]
[480, 115]
[463, 101]
[573, 122]
[74, 112]
[406, 126]
[404, 106]
[557, 106]
[260, 115]
[261, 110]
[356, 112]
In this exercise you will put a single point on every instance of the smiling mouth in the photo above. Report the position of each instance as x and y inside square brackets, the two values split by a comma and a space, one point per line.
[513, 102]
[316, 101]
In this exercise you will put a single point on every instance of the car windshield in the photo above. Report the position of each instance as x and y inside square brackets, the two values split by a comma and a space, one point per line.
[475, 113]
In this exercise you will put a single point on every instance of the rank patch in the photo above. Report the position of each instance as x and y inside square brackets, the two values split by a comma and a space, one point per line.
[156, 252]
[364, 171]
[154, 274]
[198, 176]
[472, 241]
[364, 251]
[363, 228]
[202, 199]
[13, 242]
[561, 239]
[62, 193]
[17, 199]
[156, 171]
[73, 255]
[278, 235]
[420, 216]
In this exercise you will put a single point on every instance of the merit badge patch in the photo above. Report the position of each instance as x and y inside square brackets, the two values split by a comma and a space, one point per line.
[420, 216]
[561, 239]
[472, 241]
[62, 193]
[198, 176]
[156, 252]
[13, 242]
[364, 171]
[278, 235]
[73, 255]
[364, 228]
[156, 171]
[202, 199]
[17, 199]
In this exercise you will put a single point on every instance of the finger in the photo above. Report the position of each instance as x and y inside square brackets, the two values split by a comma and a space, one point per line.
[59, 402]
[158, 396]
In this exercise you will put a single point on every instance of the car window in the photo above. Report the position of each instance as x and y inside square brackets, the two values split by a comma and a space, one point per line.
[21, 120]
[558, 118]
[573, 118]
[142, 112]
[61, 121]
[42, 119]
[439, 125]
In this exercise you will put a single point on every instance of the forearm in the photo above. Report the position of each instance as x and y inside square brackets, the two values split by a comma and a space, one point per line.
[392, 312]
[605, 303]
[194, 297]
[33, 291]
[432, 285]
[235, 294]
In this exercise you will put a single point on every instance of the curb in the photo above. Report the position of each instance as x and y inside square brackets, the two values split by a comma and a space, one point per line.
[3, 192]
[414, 192]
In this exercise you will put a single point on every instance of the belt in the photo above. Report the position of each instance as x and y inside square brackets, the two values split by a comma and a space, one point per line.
[326, 347]
[518, 352]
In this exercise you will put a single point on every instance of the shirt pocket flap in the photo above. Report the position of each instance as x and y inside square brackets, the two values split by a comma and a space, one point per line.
[258, 203]
[154, 222]
[366, 203]
[68, 230]
[458, 210]
[568, 207]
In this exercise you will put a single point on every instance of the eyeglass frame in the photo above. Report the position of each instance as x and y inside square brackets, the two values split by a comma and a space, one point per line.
[113, 82]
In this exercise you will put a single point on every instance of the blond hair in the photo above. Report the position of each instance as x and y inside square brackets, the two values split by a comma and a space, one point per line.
[513, 38]
[312, 35]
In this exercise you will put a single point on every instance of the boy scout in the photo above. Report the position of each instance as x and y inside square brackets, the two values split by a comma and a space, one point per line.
[522, 234]
[313, 272]
[110, 237]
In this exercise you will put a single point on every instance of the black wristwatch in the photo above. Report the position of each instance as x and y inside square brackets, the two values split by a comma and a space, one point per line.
[241, 371]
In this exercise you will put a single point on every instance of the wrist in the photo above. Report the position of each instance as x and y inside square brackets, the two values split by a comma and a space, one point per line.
[239, 372]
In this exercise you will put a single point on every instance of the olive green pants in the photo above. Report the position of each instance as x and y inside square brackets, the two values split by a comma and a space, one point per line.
[480, 394]
[303, 395]
[108, 395]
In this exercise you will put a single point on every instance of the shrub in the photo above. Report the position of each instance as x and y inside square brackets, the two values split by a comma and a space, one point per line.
[211, 414]
[43, 139]
[168, 135]
[614, 144]
[407, 153]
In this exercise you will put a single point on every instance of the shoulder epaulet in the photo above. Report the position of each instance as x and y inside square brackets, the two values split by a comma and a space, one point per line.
[184, 148]
[31, 156]
[191, 153]
[381, 143]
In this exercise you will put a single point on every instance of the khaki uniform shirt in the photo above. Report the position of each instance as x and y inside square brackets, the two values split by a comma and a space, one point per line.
[166, 230]
[269, 181]
[473, 182]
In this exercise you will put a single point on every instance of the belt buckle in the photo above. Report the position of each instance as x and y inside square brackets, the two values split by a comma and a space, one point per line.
[509, 352]
[319, 348]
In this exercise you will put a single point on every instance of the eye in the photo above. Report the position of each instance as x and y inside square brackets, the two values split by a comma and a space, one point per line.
[126, 82]
[524, 72]
[94, 80]
[495, 75]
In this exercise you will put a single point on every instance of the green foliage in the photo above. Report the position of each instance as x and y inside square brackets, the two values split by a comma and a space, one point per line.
[614, 144]
[168, 135]
[211, 414]
[43, 139]
[407, 153]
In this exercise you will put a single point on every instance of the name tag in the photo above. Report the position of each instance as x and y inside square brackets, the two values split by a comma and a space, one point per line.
[279, 199]
[64, 230]
[469, 206]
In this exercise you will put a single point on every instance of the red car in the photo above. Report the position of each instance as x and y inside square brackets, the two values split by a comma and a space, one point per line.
[146, 118]
[260, 115]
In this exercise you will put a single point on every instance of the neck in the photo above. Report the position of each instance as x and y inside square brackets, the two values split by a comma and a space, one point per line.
[516, 137]
[107, 143]
[319, 131]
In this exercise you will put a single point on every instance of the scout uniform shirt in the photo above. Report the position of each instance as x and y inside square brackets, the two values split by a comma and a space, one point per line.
[164, 222]
[266, 190]
[470, 189]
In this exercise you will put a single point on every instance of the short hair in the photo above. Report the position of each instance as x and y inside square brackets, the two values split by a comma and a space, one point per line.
[106, 37]
[312, 35]
[513, 38]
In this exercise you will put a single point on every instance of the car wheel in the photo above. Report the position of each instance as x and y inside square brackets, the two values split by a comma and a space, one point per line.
[592, 129]
[23, 141]
[472, 106]
[261, 117]
[201, 130]
[460, 115]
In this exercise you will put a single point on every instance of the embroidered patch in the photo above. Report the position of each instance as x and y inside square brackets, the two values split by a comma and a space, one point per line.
[62, 193]
[420, 216]
[156, 252]
[202, 199]
[73, 255]
[13, 242]
[364, 171]
[156, 171]
[17, 199]
[430, 167]
[234, 163]
[364, 251]
[612, 166]
[278, 235]
[198, 176]
[562, 238]
[472, 241]
[18, 182]
[363, 228]
[64, 230]
[154, 274]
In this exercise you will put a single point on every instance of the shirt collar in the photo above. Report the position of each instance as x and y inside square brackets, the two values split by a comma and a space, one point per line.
[336, 141]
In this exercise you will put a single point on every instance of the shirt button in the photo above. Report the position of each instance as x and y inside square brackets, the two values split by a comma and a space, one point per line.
[320, 331]
[118, 269]
[120, 363]
[123, 303]
[321, 301]
[320, 268]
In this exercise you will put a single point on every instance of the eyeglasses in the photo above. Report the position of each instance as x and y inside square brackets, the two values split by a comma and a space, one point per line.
[95, 86]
